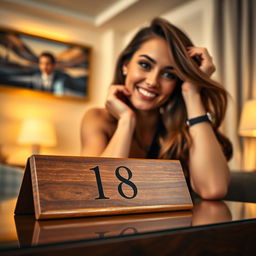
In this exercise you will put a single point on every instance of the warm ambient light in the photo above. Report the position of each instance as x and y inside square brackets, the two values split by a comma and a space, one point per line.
[247, 127]
[37, 132]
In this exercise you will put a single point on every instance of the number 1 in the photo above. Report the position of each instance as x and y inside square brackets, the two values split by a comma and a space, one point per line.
[99, 183]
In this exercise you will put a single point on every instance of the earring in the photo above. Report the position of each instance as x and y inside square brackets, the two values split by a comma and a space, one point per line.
[124, 73]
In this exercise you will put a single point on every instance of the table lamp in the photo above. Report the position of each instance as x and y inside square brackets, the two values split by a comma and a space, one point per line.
[247, 127]
[37, 132]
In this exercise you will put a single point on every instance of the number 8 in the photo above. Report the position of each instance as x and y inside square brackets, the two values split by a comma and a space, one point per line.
[126, 181]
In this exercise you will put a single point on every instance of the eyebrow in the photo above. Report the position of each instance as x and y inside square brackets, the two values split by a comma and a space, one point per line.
[154, 61]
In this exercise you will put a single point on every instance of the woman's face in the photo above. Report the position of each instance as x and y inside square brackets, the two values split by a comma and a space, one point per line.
[150, 76]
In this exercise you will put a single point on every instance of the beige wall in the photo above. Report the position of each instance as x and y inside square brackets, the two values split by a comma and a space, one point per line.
[65, 114]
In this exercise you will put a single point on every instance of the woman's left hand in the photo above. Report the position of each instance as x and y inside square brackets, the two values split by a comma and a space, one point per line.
[206, 63]
[191, 92]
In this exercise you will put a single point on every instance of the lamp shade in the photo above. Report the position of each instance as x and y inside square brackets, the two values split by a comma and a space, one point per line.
[247, 125]
[37, 132]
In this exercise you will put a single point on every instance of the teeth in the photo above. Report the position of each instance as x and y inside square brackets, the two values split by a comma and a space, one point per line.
[146, 93]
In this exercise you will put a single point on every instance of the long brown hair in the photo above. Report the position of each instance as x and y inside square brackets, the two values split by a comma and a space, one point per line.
[174, 138]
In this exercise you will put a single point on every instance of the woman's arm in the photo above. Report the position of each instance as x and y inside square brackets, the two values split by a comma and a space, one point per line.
[209, 212]
[120, 143]
[209, 172]
[95, 141]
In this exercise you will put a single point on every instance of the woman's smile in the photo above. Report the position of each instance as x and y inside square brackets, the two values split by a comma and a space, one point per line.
[146, 94]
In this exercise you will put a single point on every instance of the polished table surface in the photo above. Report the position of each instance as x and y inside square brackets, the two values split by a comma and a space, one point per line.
[210, 228]
[22, 235]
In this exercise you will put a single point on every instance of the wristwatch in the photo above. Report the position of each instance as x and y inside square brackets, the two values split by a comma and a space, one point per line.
[199, 119]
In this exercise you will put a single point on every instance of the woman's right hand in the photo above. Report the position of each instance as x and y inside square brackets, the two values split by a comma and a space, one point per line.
[118, 100]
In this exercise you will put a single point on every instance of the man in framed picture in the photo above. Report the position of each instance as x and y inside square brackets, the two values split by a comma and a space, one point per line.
[48, 78]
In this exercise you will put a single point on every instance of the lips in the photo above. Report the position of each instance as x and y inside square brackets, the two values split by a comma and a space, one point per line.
[145, 94]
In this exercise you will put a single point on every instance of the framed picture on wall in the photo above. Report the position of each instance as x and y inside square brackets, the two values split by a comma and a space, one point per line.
[44, 65]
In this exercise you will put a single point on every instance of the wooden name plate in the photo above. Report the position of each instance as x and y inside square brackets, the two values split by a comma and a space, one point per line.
[60, 187]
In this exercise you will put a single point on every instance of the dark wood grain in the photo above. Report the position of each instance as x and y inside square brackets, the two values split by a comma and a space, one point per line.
[67, 187]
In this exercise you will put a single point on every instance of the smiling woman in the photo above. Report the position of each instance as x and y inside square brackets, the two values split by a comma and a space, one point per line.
[161, 81]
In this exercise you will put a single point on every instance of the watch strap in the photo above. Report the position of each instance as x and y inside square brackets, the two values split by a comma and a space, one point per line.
[199, 119]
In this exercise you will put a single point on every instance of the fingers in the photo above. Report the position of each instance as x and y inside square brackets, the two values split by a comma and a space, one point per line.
[206, 62]
[201, 51]
[117, 101]
[115, 89]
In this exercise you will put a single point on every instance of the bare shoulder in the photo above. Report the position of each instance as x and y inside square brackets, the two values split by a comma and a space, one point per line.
[97, 128]
[99, 115]
[99, 119]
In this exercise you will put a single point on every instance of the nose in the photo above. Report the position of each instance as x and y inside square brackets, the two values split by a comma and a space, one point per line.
[152, 79]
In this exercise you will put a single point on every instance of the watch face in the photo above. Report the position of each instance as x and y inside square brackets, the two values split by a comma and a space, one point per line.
[210, 117]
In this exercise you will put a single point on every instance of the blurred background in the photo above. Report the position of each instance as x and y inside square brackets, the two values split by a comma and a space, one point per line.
[225, 27]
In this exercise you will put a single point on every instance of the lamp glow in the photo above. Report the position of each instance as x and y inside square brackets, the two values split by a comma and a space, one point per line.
[37, 132]
[247, 127]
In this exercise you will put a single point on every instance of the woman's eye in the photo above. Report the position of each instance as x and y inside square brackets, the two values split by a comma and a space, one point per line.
[145, 65]
[169, 76]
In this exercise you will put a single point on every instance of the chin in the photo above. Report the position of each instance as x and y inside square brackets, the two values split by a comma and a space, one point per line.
[143, 107]
[146, 106]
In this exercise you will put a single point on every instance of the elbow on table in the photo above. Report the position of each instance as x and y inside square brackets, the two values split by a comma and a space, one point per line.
[214, 193]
